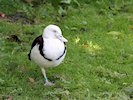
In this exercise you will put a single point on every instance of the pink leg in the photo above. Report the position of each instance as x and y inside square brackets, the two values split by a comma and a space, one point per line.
[47, 83]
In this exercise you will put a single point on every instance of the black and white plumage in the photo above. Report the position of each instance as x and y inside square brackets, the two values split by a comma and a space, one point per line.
[49, 49]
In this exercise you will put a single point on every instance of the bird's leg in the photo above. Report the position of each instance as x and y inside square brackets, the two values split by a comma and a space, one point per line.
[47, 83]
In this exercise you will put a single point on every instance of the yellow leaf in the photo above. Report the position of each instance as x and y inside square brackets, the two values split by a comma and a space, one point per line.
[131, 27]
[77, 40]
[114, 33]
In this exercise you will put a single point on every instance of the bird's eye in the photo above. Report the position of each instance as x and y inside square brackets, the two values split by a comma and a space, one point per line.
[54, 31]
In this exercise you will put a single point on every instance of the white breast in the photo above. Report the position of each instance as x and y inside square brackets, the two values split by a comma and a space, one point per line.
[52, 49]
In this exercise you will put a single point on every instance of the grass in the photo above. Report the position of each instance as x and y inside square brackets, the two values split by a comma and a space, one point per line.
[99, 61]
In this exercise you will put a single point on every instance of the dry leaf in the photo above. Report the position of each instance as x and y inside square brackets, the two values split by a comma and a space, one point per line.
[131, 27]
[31, 80]
[91, 47]
[77, 40]
[2, 14]
[114, 33]
[14, 38]
[9, 98]
[85, 45]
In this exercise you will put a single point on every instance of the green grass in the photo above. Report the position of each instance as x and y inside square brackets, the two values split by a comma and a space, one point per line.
[99, 61]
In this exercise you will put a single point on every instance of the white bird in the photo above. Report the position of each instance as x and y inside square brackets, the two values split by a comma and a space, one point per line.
[49, 49]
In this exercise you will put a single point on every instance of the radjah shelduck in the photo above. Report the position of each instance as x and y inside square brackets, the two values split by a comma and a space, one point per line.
[49, 49]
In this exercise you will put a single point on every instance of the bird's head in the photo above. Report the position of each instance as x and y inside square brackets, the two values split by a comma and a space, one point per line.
[53, 31]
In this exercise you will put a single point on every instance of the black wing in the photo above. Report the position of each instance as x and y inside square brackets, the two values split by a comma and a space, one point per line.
[38, 40]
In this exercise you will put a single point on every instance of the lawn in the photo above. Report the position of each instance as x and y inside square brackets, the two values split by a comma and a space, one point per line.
[99, 60]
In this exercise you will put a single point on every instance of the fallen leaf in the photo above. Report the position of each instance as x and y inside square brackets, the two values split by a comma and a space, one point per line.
[20, 16]
[76, 40]
[74, 29]
[9, 98]
[91, 47]
[131, 27]
[85, 45]
[114, 33]
[2, 14]
[14, 38]
[31, 80]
